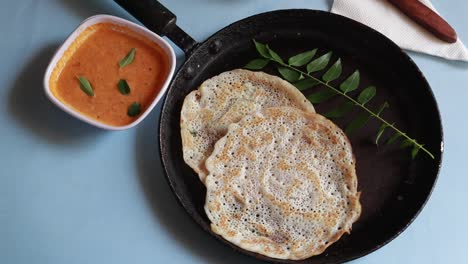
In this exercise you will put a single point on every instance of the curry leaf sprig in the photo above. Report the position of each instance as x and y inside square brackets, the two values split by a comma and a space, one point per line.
[303, 79]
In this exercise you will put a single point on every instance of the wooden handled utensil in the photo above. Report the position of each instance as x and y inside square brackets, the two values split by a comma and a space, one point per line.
[427, 18]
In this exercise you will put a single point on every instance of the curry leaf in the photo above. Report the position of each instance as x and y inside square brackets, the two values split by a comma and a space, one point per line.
[262, 49]
[394, 138]
[274, 56]
[123, 86]
[366, 95]
[86, 86]
[382, 107]
[406, 143]
[415, 151]
[257, 64]
[320, 63]
[288, 74]
[134, 109]
[357, 123]
[321, 96]
[302, 59]
[333, 73]
[128, 58]
[351, 83]
[380, 133]
[306, 84]
[340, 110]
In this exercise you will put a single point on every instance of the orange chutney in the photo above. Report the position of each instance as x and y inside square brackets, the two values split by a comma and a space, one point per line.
[95, 54]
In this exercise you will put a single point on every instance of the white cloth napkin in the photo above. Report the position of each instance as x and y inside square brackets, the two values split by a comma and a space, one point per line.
[387, 19]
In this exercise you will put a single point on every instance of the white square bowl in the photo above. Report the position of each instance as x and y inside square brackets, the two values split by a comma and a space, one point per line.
[121, 22]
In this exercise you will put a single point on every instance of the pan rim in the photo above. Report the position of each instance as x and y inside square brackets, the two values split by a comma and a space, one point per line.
[372, 31]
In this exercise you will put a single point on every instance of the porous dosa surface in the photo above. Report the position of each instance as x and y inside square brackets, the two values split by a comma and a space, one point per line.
[282, 183]
[225, 99]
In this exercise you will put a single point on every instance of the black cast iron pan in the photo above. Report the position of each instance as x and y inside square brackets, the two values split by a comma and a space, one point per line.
[394, 187]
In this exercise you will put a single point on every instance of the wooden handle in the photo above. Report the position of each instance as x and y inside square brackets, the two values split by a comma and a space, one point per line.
[427, 18]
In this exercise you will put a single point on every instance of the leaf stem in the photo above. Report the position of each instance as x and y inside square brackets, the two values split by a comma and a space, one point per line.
[363, 107]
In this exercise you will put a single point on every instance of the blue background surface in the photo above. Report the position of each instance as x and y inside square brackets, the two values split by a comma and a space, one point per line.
[70, 193]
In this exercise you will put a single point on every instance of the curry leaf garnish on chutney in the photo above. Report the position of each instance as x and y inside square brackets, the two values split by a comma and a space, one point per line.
[134, 109]
[128, 59]
[86, 86]
[123, 86]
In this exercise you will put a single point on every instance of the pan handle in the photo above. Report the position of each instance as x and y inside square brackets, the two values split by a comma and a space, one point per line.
[160, 20]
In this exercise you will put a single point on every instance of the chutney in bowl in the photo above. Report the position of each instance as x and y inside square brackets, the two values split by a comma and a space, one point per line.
[110, 72]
